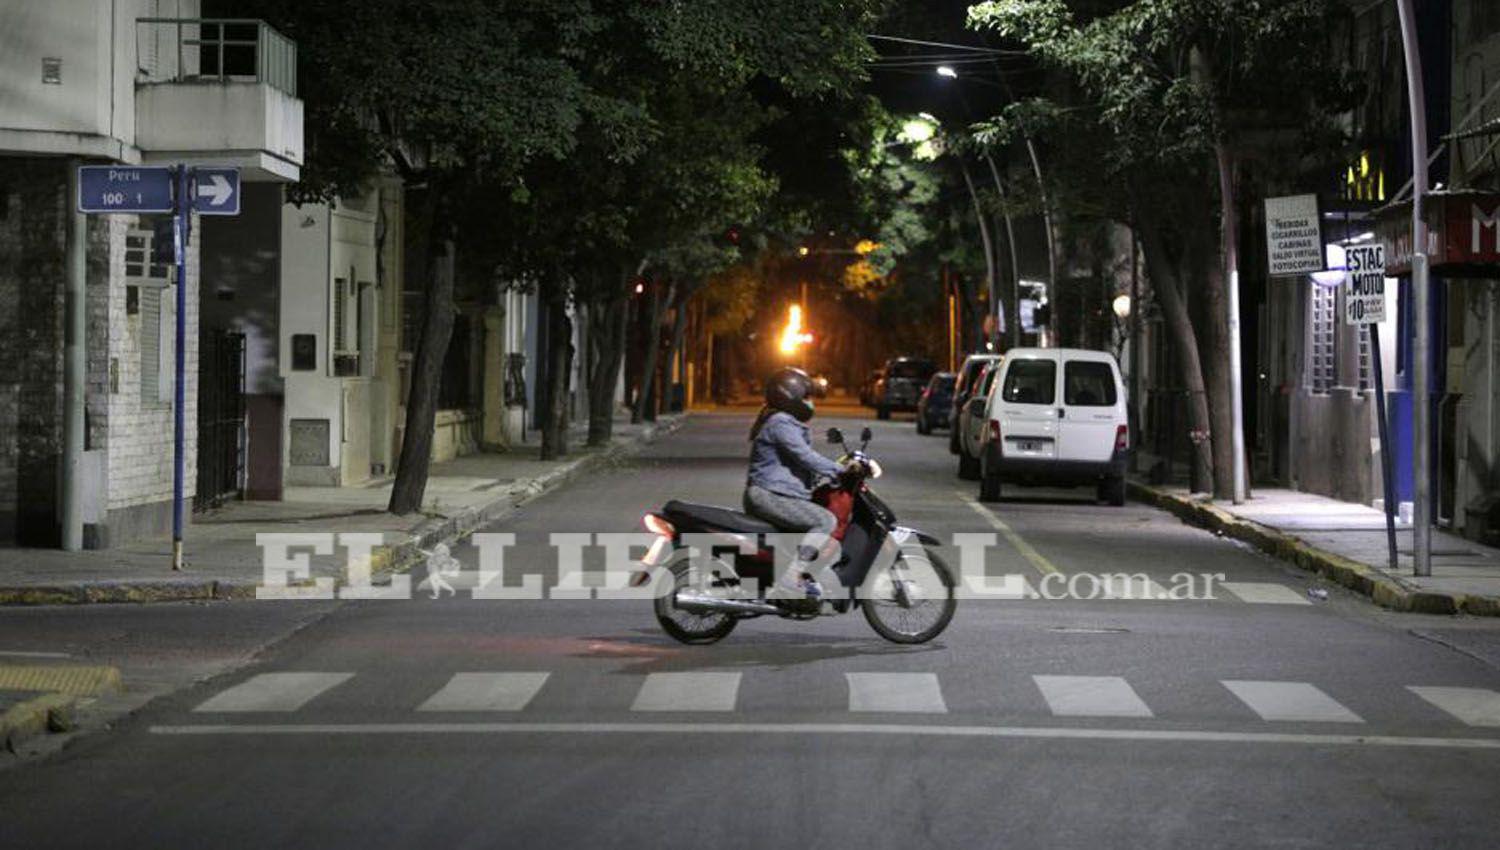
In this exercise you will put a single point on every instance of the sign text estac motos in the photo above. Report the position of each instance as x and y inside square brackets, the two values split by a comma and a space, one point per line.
[1364, 301]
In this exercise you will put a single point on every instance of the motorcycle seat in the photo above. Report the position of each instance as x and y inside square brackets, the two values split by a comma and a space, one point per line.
[685, 516]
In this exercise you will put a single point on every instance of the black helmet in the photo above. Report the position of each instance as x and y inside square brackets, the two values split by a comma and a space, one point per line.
[790, 390]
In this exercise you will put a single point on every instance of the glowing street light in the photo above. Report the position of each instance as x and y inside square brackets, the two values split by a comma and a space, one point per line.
[947, 71]
[793, 335]
[1121, 305]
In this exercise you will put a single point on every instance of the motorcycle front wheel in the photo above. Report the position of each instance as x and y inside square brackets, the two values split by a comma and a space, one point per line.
[688, 626]
[913, 600]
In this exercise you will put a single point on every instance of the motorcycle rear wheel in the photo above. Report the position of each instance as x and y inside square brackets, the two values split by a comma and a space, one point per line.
[686, 626]
[922, 619]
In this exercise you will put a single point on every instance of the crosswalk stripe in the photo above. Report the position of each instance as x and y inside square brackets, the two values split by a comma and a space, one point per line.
[1297, 701]
[1091, 696]
[917, 693]
[486, 692]
[688, 692]
[1264, 593]
[273, 692]
[1474, 706]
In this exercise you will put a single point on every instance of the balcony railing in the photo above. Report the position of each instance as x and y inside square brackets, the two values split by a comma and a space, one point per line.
[215, 50]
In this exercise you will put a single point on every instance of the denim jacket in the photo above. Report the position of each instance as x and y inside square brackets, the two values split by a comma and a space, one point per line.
[782, 459]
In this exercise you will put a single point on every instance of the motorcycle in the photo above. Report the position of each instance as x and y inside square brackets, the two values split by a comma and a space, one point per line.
[891, 573]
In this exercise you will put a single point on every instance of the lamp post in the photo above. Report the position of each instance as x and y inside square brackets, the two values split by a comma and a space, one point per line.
[948, 72]
[1421, 423]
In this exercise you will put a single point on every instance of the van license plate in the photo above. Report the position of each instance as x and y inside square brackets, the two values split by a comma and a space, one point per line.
[1029, 445]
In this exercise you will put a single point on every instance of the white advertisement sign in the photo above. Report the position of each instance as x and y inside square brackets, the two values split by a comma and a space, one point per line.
[1364, 300]
[1294, 236]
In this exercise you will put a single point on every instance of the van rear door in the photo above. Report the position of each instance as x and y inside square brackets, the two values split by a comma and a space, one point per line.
[1093, 408]
[1026, 405]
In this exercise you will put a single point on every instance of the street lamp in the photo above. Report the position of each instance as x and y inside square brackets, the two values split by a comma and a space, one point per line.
[1121, 305]
[947, 71]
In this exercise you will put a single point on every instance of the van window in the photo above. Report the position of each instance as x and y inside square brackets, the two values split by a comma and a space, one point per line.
[1088, 384]
[1031, 382]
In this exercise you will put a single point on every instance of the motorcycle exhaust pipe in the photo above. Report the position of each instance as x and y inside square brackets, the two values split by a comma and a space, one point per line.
[702, 603]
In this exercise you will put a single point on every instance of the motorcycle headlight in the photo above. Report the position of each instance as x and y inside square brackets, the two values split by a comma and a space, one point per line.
[875, 470]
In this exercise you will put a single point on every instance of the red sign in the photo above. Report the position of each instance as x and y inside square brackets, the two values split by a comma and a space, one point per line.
[1463, 237]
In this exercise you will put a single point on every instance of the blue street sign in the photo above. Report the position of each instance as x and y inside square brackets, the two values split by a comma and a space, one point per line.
[216, 191]
[124, 189]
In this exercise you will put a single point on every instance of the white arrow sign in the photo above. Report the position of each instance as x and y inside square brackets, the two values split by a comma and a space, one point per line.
[217, 191]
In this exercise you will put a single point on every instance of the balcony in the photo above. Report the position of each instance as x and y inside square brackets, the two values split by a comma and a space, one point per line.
[218, 91]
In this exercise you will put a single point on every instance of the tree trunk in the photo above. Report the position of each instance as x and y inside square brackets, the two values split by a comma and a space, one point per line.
[674, 349]
[1168, 285]
[559, 362]
[607, 328]
[645, 402]
[427, 367]
[1203, 264]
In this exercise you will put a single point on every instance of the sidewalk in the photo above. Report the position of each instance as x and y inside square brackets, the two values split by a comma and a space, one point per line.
[223, 560]
[1346, 543]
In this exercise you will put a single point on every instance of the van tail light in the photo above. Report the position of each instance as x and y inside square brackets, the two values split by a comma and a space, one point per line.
[1122, 438]
[995, 431]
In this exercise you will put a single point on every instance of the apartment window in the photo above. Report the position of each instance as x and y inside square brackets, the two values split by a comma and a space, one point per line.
[156, 304]
[1322, 360]
[340, 332]
[345, 351]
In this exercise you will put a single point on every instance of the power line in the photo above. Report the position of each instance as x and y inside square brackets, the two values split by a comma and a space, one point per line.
[947, 45]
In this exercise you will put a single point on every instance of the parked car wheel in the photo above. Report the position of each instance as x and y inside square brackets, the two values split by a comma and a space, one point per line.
[968, 467]
[989, 488]
[922, 426]
[952, 439]
[1112, 490]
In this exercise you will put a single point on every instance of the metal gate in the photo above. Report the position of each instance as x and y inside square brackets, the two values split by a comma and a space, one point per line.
[221, 418]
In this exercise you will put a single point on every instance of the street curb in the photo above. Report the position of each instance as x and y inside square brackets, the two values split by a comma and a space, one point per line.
[1384, 590]
[384, 560]
[29, 718]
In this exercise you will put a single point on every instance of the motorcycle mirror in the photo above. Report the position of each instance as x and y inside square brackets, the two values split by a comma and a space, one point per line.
[865, 435]
[836, 436]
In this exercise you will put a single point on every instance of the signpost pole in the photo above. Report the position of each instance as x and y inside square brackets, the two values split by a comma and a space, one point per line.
[184, 215]
[1385, 445]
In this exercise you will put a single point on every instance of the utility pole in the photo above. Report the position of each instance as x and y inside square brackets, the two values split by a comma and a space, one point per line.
[1421, 307]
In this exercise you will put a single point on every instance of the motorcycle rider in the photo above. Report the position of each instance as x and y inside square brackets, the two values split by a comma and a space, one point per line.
[784, 470]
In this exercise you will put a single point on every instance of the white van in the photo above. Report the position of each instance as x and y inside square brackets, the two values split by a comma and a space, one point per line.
[1056, 416]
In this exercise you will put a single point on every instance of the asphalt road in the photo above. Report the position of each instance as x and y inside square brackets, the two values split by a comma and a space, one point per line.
[1255, 718]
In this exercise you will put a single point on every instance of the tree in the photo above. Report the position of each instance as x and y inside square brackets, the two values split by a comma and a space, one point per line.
[1184, 90]
[448, 94]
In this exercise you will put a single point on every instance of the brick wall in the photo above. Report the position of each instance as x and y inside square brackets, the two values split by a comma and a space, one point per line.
[140, 429]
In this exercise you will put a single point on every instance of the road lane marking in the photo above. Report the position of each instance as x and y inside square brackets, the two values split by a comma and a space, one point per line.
[772, 729]
[486, 692]
[15, 653]
[1091, 696]
[1474, 706]
[274, 692]
[688, 692]
[1264, 593]
[1294, 701]
[917, 693]
[1035, 558]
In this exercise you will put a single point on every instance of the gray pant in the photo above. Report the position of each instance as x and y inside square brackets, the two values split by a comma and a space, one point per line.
[789, 513]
